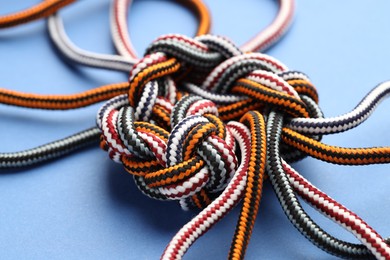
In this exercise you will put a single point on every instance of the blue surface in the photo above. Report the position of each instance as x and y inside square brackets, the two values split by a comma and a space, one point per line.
[84, 206]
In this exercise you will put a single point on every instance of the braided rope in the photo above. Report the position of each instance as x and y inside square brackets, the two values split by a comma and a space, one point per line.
[64, 102]
[260, 42]
[36, 12]
[174, 173]
[219, 207]
[297, 215]
[195, 162]
[69, 50]
[49, 151]
[343, 122]
[119, 25]
[115, 62]
[331, 208]
[110, 61]
[248, 77]
[335, 154]
[272, 34]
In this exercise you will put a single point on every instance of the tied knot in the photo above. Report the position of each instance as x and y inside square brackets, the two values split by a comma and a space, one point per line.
[177, 144]
[230, 77]
[181, 146]
[259, 78]
[255, 81]
[174, 56]
[192, 163]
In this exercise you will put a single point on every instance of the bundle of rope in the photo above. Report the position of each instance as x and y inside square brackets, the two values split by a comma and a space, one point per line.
[59, 148]
[203, 123]
[186, 154]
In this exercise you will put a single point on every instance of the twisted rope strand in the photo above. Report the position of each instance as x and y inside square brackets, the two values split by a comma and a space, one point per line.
[275, 31]
[220, 206]
[108, 61]
[62, 102]
[269, 36]
[75, 54]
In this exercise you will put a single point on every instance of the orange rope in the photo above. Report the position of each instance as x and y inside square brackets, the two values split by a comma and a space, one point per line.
[41, 10]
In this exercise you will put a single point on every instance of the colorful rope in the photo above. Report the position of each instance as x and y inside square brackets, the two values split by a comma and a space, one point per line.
[248, 76]
[120, 36]
[272, 34]
[180, 146]
[343, 122]
[57, 33]
[116, 62]
[49, 151]
[264, 39]
[39, 11]
[302, 220]
[120, 31]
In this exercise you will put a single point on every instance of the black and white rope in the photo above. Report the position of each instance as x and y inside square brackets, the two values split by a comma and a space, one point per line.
[49, 151]
[346, 121]
[291, 205]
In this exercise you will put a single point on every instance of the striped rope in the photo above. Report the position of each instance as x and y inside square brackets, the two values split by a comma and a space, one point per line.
[39, 11]
[238, 78]
[65, 102]
[120, 31]
[179, 146]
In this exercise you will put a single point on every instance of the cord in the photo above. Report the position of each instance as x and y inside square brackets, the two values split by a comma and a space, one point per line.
[39, 11]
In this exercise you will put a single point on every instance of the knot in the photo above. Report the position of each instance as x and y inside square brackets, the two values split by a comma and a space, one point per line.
[192, 163]
[172, 55]
[244, 81]
[261, 78]
[255, 81]
[180, 143]
[176, 144]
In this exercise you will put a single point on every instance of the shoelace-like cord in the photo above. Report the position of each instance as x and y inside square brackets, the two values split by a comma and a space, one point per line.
[265, 80]
[261, 62]
[110, 61]
[62, 102]
[260, 42]
[39, 11]
[271, 34]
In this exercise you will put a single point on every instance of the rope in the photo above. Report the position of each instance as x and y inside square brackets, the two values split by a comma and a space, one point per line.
[195, 181]
[49, 151]
[86, 98]
[110, 61]
[190, 148]
[115, 62]
[120, 31]
[39, 11]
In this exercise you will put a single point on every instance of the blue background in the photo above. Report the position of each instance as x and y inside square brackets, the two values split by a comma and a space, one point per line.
[84, 206]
